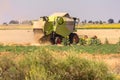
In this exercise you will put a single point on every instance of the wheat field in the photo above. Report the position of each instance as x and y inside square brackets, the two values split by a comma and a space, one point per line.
[99, 26]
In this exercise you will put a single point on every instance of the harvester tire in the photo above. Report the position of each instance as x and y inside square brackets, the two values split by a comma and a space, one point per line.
[74, 39]
[58, 40]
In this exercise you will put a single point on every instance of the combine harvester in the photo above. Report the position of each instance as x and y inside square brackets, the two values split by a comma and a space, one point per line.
[55, 28]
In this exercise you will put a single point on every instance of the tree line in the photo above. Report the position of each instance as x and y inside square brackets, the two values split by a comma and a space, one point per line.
[29, 22]
[110, 21]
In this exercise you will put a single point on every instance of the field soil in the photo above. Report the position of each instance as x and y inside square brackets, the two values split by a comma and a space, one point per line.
[27, 36]
[16, 36]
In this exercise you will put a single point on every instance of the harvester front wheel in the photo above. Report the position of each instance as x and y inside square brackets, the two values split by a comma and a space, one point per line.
[74, 39]
[58, 40]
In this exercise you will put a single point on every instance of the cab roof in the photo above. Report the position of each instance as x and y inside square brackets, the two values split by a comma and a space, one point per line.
[61, 14]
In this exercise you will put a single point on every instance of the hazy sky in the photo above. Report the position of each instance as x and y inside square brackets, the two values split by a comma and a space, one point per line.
[84, 9]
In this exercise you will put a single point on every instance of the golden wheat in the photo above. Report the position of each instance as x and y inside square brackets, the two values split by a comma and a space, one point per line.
[99, 26]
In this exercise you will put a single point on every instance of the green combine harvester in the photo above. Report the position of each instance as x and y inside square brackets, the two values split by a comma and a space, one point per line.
[55, 28]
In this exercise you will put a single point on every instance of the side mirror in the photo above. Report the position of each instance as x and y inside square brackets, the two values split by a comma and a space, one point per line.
[45, 18]
[76, 20]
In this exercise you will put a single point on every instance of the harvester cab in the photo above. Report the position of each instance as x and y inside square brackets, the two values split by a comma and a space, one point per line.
[56, 27]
